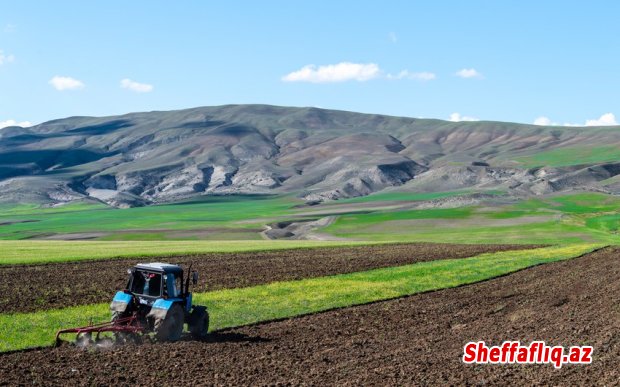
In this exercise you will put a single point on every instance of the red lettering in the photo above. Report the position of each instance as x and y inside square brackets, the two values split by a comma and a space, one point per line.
[469, 353]
[586, 352]
[494, 355]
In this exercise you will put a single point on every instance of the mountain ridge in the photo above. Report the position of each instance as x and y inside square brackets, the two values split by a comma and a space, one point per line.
[318, 154]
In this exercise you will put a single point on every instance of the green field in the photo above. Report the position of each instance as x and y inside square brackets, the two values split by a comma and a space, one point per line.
[387, 216]
[573, 218]
[235, 307]
[31, 252]
[403, 196]
[561, 157]
[232, 213]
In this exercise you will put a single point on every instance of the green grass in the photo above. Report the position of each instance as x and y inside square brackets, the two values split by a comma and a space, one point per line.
[558, 219]
[236, 307]
[403, 196]
[235, 212]
[581, 203]
[35, 209]
[31, 252]
[562, 219]
[355, 220]
[396, 196]
[605, 223]
[571, 156]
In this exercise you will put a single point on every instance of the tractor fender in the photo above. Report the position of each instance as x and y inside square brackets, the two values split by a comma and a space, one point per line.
[160, 308]
[120, 302]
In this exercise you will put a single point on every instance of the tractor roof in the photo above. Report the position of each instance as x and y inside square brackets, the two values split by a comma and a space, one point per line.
[159, 266]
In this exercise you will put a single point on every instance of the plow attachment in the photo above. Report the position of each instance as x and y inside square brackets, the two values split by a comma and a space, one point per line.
[84, 335]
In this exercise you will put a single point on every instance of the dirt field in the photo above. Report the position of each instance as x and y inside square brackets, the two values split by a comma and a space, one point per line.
[416, 340]
[38, 287]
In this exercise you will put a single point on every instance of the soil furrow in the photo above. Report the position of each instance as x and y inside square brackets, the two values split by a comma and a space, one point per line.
[415, 340]
[28, 288]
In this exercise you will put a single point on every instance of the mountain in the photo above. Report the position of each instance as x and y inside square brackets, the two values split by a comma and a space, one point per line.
[152, 157]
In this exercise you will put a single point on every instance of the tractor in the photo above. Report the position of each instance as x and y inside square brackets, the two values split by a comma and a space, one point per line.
[156, 300]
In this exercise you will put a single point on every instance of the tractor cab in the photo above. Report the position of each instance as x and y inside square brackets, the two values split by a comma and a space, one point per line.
[150, 281]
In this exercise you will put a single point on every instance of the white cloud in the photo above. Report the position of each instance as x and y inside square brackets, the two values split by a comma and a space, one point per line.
[10, 28]
[607, 119]
[406, 74]
[66, 83]
[393, 37]
[456, 117]
[6, 58]
[136, 86]
[347, 71]
[468, 73]
[23, 124]
[543, 121]
[340, 72]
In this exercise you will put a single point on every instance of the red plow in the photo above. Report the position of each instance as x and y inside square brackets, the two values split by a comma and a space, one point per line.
[121, 328]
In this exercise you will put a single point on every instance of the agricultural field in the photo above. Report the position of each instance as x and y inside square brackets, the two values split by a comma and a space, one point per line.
[243, 222]
[301, 348]
[343, 294]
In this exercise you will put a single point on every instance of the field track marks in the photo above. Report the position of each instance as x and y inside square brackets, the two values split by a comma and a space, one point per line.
[28, 288]
[416, 340]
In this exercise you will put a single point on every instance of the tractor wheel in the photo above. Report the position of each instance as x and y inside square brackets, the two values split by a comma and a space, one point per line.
[199, 323]
[170, 328]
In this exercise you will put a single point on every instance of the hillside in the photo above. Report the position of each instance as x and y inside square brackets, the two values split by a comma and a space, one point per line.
[155, 157]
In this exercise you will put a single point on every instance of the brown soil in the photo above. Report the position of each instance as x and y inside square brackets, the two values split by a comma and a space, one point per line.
[26, 288]
[415, 340]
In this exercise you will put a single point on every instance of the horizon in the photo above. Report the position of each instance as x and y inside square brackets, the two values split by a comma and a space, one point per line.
[309, 107]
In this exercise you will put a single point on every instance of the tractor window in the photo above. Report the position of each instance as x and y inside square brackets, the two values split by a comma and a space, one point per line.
[179, 285]
[171, 285]
[145, 283]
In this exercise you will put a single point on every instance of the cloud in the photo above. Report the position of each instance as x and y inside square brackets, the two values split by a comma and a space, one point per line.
[10, 28]
[607, 119]
[66, 83]
[6, 58]
[23, 124]
[468, 73]
[456, 117]
[347, 71]
[393, 37]
[136, 86]
[406, 74]
[543, 121]
[340, 72]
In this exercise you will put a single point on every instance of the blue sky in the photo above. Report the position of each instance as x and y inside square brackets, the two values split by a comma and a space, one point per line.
[494, 60]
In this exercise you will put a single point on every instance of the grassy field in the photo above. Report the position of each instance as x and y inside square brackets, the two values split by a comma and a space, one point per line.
[402, 196]
[214, 212]
[573, 218]
[235, 307]
[31, 252]
[561, 157]
[388, 216]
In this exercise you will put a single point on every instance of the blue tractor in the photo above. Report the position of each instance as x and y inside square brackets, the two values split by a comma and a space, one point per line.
[156, 300]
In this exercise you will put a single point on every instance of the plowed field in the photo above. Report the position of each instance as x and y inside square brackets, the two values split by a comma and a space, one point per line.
[416, 340]
[28, 288]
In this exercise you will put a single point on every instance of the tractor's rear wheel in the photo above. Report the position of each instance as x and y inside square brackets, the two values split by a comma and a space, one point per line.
[199, 322]
[170, 327]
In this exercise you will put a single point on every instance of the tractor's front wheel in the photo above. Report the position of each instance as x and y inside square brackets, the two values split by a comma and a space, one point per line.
[199, 322]
[170, 327]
